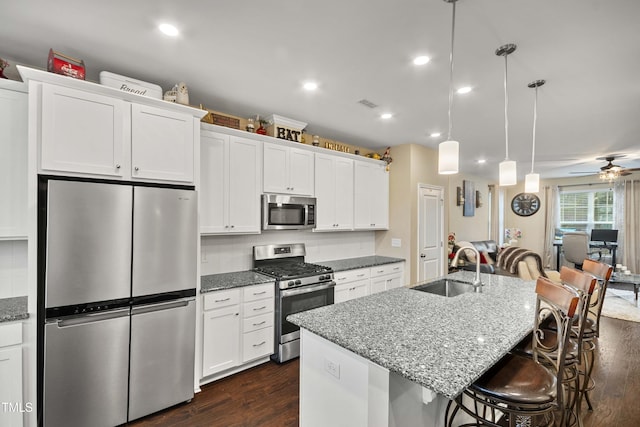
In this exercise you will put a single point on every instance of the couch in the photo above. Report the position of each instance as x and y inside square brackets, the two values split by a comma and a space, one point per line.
[488, 250]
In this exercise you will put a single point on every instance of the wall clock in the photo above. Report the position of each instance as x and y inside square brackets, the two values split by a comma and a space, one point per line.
[525, 204]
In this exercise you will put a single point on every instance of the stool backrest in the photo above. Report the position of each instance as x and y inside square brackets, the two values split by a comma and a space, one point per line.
[603, 273]
[585, 284]
[559, 304]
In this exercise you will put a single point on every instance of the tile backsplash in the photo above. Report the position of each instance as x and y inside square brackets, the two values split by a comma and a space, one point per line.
[223, 254]
[13, 268]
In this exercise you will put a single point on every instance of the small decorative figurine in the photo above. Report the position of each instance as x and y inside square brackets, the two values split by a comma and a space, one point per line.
[250, 127]
[182, 94]
[316, 140]
[387, 157]
[3, 64]
[262, 130]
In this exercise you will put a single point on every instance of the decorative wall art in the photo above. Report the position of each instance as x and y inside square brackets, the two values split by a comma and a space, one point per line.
[459, 196]
[478, 199]
[469, 206]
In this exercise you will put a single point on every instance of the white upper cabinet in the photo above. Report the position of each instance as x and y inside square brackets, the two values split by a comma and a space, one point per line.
[230, 183]
[162, 144]
[82, 132]
[371, 201]
[13, 161]
[288, 170]
[334, 192]
[86, 129]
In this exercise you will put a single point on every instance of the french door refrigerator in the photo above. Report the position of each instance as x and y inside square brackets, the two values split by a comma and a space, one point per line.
[116, 290]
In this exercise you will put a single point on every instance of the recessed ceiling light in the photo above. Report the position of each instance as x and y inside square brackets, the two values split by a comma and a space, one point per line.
[168, 29]
[310, 86]
[421, 60]
[481, 161]
[435, 134]
[386, 115]
[464, 89]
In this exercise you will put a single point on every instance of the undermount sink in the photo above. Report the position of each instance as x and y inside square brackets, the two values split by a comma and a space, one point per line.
[445, 288]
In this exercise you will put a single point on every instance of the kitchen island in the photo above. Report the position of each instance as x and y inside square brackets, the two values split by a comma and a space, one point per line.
[395, 358]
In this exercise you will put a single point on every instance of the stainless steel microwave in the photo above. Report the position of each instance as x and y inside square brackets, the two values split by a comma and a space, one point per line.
[283, 212]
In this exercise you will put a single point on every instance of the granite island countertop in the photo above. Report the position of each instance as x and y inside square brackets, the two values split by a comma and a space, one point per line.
[14, 308]
[216, 282]
[359, 262]
[443, 344]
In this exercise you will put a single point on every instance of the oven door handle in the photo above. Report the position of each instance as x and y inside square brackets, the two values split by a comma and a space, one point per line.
[306, 289]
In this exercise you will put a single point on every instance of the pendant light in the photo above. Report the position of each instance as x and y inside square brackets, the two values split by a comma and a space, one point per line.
[508, 175]
[448, 150]
[532, 180]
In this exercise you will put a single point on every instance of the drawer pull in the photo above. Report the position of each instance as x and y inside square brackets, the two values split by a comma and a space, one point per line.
[223, 300]
[341, 278]
[260, 308]
[260, 293]
[397, 268]
[380, 271]
[360, 275]
[4, 360]
[261, 323]
[352, 289]
[258, 345]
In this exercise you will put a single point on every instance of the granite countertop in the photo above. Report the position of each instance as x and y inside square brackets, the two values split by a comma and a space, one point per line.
[443, 344]
[13, 309]
[216, 282]
[360, 262]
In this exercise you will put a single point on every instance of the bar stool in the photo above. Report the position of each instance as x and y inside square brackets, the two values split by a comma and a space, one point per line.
[602, 272]
[584, 284]
[518, 389]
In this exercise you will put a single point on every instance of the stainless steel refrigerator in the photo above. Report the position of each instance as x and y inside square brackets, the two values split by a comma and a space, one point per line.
[117, 275]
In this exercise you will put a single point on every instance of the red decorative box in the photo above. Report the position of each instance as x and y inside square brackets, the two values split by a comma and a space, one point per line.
[65, 65]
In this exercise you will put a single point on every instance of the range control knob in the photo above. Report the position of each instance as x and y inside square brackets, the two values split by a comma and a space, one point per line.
[298, 282]
[290, 283]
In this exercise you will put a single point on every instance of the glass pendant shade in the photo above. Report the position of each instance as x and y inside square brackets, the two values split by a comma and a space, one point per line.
[508, 174]
[448, 157]
[532, 183]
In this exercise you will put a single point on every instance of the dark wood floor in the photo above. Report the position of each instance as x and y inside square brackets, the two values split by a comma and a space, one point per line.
[267, 395]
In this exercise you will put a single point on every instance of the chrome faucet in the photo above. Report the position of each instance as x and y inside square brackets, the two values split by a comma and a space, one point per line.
[477, 283]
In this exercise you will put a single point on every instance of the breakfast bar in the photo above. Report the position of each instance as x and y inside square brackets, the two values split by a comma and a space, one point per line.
[396, 358]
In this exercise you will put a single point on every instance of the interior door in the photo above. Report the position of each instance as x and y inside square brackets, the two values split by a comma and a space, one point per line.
[430, 232]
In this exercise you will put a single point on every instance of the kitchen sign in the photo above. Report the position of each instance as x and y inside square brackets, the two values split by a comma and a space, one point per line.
[285, 128]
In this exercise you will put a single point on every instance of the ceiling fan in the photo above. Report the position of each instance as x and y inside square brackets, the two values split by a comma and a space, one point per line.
[610, 170]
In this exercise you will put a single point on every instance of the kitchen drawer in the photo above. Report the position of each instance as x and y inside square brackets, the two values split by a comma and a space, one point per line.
[220, 299]
[11, 334]
[257, 344]
[257, 322]
[255, 308]
[351, 290]
[382, 270]
[351, 275]
[257, 292]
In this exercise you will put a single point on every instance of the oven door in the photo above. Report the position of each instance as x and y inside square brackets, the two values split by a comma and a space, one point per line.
[300, 299]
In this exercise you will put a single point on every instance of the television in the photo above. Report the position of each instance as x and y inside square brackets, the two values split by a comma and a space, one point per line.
[602, 235]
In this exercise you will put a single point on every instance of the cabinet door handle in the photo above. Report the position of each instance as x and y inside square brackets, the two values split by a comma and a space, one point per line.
[136, 168]
[261, 323]
[223, 300]
[233, 226]
[258, 345]
[260, 308]
[117, 166]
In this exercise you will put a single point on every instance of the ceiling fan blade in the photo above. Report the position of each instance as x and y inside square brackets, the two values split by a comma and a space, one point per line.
[584, 173]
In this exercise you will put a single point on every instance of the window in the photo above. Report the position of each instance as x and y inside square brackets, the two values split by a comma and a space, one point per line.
[584, 210]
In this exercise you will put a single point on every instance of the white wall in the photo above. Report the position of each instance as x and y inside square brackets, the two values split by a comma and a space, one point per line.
[13, 268]
[223, 254]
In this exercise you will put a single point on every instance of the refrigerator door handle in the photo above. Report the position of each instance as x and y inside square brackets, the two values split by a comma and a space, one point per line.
[91, 317]
[161, 306]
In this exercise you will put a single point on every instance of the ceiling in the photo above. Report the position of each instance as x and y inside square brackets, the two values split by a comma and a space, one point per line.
[247, 58]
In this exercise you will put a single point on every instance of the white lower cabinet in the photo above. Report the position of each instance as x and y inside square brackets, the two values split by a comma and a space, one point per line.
[351, 284]
[13, 405]
[221, 341]
[237, 328]
[387, 276]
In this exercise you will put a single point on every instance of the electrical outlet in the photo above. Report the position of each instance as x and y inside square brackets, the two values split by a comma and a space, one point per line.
[396, 243]
[203, 257]
[332, 367]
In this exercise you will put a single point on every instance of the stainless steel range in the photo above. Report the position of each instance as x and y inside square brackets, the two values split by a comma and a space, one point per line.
[300, 286]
